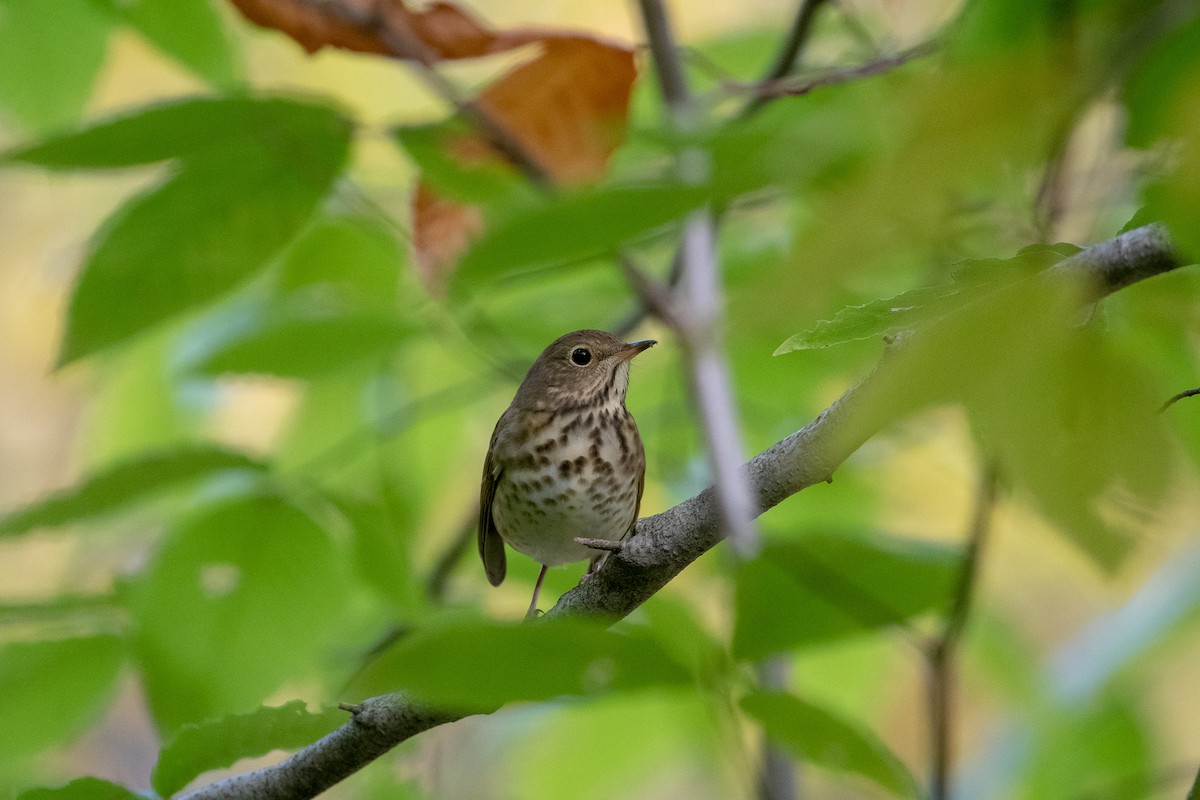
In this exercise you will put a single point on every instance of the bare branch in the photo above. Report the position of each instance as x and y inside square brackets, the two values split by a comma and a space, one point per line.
[789, 54]
[943, 651]
[1177, 398]
[791, 87]
[665, 544]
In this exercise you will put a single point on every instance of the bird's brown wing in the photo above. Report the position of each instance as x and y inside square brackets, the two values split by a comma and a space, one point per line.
[491, 546]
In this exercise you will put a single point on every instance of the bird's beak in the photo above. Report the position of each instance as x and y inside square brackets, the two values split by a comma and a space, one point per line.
[633, 348]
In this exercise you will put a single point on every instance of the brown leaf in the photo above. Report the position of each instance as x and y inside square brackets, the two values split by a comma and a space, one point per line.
[385, 27]
[567, 107]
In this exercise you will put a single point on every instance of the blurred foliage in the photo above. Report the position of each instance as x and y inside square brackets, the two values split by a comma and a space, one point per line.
[261, 253]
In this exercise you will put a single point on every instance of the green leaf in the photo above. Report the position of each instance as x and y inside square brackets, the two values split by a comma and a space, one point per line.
[575, 227]
[840, 585]
[82, 789]
[297, 342]
[242, 595]
[476, 664]
[350, 262]
[50, 55]
[189, 31]
[972, 280]
[210, 226]
[185, 128]
[123, 484]
[430, 146]
[53, 689]
[214, 744]
[829, 741]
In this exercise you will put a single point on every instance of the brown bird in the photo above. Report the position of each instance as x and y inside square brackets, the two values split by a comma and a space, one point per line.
[565, 460]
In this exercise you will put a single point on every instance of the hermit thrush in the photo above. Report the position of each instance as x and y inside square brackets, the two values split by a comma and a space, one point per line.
[565, 460]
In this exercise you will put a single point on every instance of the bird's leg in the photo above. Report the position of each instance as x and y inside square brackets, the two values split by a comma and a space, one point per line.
[537, 588]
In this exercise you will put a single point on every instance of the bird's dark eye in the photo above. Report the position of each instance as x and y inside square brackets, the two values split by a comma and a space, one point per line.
[581, 356]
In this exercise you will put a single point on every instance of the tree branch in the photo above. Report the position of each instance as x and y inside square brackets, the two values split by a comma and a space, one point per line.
[666, 543]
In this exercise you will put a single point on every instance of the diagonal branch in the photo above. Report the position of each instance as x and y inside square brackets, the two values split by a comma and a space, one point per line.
[666, 543]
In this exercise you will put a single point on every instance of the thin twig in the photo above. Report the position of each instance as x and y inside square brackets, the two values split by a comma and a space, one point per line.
[1177, 398]
[790, 87]
[777, 776]
[404, 44]
[789, 54]
[944, 649]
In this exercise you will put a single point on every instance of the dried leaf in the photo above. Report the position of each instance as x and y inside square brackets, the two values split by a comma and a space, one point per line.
[383, 27]
[567, 108]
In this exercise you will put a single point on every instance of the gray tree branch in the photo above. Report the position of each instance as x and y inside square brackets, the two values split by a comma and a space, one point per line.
[668, 542]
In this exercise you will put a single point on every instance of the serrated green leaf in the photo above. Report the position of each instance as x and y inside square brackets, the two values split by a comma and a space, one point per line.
[829, 741]
[251, 582]
[971, 280]
[213, 744]
[50, 55]
[188, 31]
[575, 227]
[185, 128]
[124, 484]
[53, 689]
[477, 664]
[838, 585]
[82, 789]
[210, 226]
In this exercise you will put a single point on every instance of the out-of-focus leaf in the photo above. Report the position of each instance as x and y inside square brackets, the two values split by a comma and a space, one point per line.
[442, 28]
[124, 484]
[1102, 749]
[189, 31]
[829, 741]
[827, 586]
[970, 281]
[185, 128]
[575, 227]
[349, 262]
[1068, 419]
[457, 173]
[299, 342]
[53, 689]
[381, 550]
[82, 789]
[50, 54]
[214, 744]
[206, 229]
[241, 596]
[475, 664]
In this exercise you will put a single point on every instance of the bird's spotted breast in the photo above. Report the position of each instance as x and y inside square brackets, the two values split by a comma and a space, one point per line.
[566, 484]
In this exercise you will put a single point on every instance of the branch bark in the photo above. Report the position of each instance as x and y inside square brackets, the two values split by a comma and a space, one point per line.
[666, 543]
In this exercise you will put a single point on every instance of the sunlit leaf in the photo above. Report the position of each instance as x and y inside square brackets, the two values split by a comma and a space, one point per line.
[475, 664]
[589, 223]
[826, 586]
[252, 581]
[50, 55]
[823, 738]
[210, 226]
[189, 31]
[186, 128]
[124, 484]
[82, 789]
[293, 342]
[54, 688]
[218, 743]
